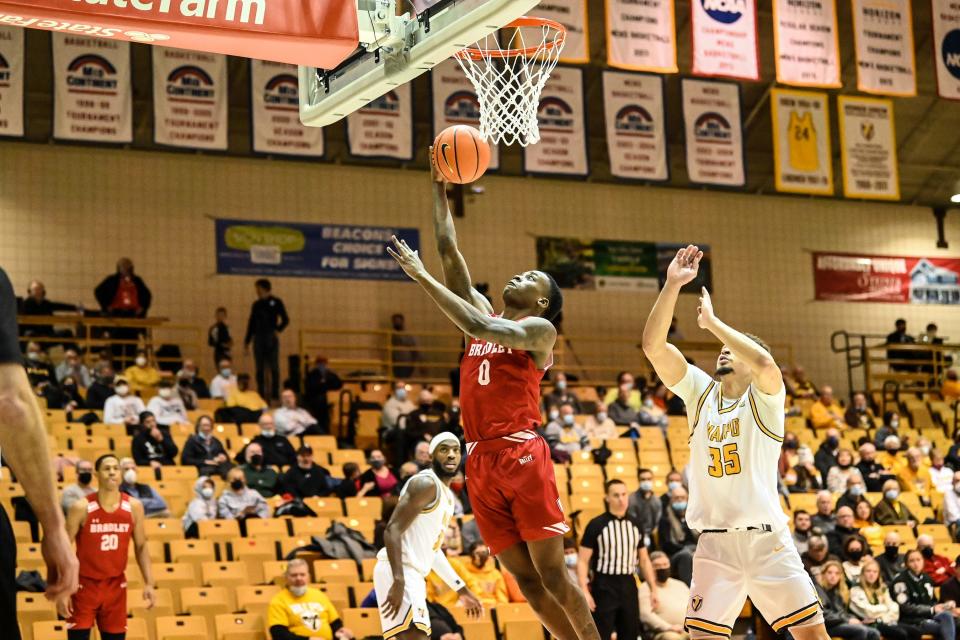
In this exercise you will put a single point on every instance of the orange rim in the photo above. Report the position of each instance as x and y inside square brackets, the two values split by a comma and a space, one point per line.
[475, 53]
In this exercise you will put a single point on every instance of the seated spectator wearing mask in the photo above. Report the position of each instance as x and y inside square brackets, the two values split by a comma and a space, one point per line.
[665, 622]
[196, 383]
[81, 488]
[870, 601]
[853, 558]
[259, 476]
[891, 427]
[859, 415]
[940, 475]
[398, 404]
[239, 502]
[564, 434]
[644, 506]
[73, 366]
[843, 530]
[319, 381]
[802, 528]
[817, 556]
[350, 486]
[673, 480]
[152, 446]
[626, 388]
[950, 590]
[872, 472]
[202, 507]
[915, 476]
[599, 425]
[938, 568]
[167, 406]
[154, 506]
[854, 493]
[891, 510]
[788, 454]
[675, 537]
[561, 394]
[835, 599]
[246, 404]
[890, 457]
[891, 561]
[307, 479]
[101, 388]
[123, 407]
[204, 451]
[488, 583]
[224, 381]
[301, 611]
[919, 611]
[804, 476]
[277, 451]
[827, 453]
[142, 376]
[839, 474]
[292, 420]
[825, 412]
[824, 519]
[383, 478]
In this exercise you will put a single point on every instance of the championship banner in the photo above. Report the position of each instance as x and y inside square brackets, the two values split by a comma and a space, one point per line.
[636, 136]
[847, 277]
[868, 148]
[806, 44]
[572, 14]
[883, 32]
[276, 112]
[93, 97]
[946, 43]
[563, 139]
[11, 81]
[383, 128]
[296, 249]
[801, 141]
[724, 34]
[455, 102]
[189, 98]
[714, 136]
[641, 36]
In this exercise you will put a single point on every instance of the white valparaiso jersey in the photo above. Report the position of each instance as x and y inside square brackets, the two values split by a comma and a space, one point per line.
[425, 535]
[734, 449]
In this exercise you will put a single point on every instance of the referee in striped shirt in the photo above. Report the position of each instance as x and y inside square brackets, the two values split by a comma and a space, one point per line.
[612, 548]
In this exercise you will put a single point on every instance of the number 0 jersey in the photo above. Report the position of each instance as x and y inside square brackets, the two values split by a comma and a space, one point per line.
[103, 539]
[734, 449]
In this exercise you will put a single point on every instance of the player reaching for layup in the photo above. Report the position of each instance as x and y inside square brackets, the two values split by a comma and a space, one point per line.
[411, 550]
[512, 487]
[736, 427]
[103, 525]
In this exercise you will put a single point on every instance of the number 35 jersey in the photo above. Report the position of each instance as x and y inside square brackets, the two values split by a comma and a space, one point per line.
[499, 391]
[103, 539]
[734, 449]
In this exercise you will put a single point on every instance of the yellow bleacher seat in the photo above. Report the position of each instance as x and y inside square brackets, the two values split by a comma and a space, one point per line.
[363, 622]
[514, 612]
[341, 456]
[581, 501]
[50, 630]
[343, 571]
[939, 532]
[173, 576]
[579, 457]
[155, 548]
[479, 629]
[239, 626]
[325, 507]
[255, 598]
[194, 552]
[11, 490]
[164, 529]
[626, 456]
[137, 607]
[365, 526]
[21, 531]
[621, 471]
[619, 444]
[179, 473]
[586, 485]
[31, 608]
[65, 432]
[226, 431]
[224, 574]
[90, 447]
[905, 533]
[29, 558]
[338, 593]
[138, 629]
[205, 602]
[289, 543]
[586, 471]
[521, 629]
[364, 507]
[188, 627]
[310, 526]
[366, 568]
[267, 528]
[218, 530]
[273, 571]
[253, 552]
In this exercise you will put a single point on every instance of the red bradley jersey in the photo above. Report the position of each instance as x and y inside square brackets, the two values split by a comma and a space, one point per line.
[499, 391]
[103, 539]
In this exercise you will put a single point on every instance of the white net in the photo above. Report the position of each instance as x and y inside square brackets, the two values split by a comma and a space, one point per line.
[509, 77]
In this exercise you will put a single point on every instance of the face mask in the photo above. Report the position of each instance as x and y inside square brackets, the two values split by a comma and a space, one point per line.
[843, 465]
[891, 552]
[601, 417]
[130, 476]
[256, 459]
[236, 485]
[298, 592]
[401, 394]
[554, 415]
[268, 434]
[791, 445]
[480, 559]
[189, 374]
[33, 355]
[226, 372]
[662, 574]
[891, 495]
[927, 552]
[568, 419]
[84, 477]
[377, 464]
[646, 485]
[165, 393]
[648, 403]
[673, 484]
[892, 450]
[456, 487]
[205, 436]
[925, 450]
[856, 490]
[626, 387]
[561, 385]
[894, 423]
[206, 492]
[141, 361]
[679, 506]
[122, 390]
[855, 555]
[570, 559]
[832, 442]
[106, 380]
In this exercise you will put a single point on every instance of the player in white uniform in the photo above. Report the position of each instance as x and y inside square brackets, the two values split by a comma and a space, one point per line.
[412, 542]
[736, 427]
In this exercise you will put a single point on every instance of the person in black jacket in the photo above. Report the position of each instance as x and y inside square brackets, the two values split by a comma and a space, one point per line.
[835, 599]
[124, 295]
[891, 561]
[844, 529]
[204, 451]
[102, 386]
[37, 304]
[305, 479]
[268, 318]
[913, 591]
[277, 450]
[950, 590]
[675, 537]
[218, 337]
[826, 456]
[318, 382]
[152, 446]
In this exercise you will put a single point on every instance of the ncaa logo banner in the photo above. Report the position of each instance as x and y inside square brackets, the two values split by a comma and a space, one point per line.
[725, 38]
[806, 43]
[636, 138]
[714, 135]
[455, 102]
[868, 148]
[883, 31]
[946, 42]
[801, 141]
[563, 141]
[573, 15]
[92, 92]
[641, 36]
[11, 81]
[276, 112]
[383, 128]
[189, 98]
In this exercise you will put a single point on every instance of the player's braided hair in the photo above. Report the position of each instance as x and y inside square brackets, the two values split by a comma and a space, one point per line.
[555, 297]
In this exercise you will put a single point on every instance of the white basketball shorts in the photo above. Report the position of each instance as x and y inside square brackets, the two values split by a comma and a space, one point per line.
[762, 565]
[413, 611]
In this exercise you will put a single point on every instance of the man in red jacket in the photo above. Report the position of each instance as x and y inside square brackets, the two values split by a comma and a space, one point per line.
[938, 568]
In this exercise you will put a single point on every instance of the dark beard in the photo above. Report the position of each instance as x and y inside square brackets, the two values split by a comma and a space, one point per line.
[442, 473]
[722, 371]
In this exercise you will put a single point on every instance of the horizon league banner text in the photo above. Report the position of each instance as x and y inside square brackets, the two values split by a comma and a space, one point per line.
[577, 263]
[849, 277]
[641, 36]
[11, 81]
[883, 36]
[247, 247]
[807, 44]
[93, 95]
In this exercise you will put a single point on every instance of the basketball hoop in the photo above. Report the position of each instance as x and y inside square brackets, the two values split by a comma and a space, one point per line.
[508, 79]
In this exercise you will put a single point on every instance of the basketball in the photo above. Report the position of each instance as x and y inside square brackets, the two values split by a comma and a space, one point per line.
[460, 154]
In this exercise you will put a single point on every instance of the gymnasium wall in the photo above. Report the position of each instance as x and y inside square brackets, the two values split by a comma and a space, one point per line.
[67, 213]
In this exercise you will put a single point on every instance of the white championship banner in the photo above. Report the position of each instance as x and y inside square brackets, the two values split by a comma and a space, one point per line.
[883, 32]
[713, 131]
[189, 98]
[11, 81]
[724, 34]
[573, 15]
[868, 148]
[275, 107]
[455, 102]
[801, 141]
[641, 36]
[93, 97]
[946, 47]
[636, 136]
[563, 141]
[806, 43]
[383, 128]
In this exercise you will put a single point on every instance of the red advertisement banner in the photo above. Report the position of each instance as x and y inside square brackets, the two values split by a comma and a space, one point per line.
[851, 277]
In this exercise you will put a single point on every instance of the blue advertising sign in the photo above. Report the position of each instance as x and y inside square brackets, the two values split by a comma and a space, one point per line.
[252, 248]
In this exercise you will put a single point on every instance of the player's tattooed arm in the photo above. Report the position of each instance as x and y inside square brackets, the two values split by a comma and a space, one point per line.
[666, 359]
[419, 494]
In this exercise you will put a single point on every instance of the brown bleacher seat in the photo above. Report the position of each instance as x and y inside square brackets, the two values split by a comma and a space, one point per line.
[206, 602]
[341, 456]
[239, 626]
[273, 571]
[187, 627]
[21, 531]
[179, 473]
[586, 485]
[31, 608]
[479, 629]
[365, 526]
[137, 607]
[939, 532]
[366, 568]
[585, 471]
[29, 558]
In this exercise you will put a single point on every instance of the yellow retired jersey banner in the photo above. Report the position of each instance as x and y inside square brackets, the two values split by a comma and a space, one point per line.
[801, 141]
[641, 36]
[868, 146]
[572, 14]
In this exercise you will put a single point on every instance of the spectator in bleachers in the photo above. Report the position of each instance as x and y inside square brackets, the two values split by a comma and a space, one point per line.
[803, 387]
[153, 446]
[72, 396]
[838, 475]
[890, 458]
[398, 404]
[268, 318]
[951, 386]
[382, 477]
[301, 611]
[239, 502]
[675, 537]
[788, 382]
[951, 505]
[167, 405]
[858, 414]
[245, 403]
[825, 412]
[123, 407]
[405, 354]
[864, 521]
[844, 529]
[673, 480]
[941, 476]
[621, 411]
[439, 592]
[891, 561]
[292, 420]
[306, 478]
[218, 336]
[154, 506]
[102, 386]
[854, 493]
[890, 427]
[277, 451]
[421, 455]
[488, 582]
[407, 470]
[258, 476]
[202, 507]
[424, 422]
[627, 388]
[350, 486]
[189, 397]
[195, 382]
[827, 453]
[919, 610]
[804, 477]
[938, 568]
[788, 454]
[925, 447]
[564, 433]
[817, 555]
[871, 602]
[599, 425]
[319, 381]
[36, 303]
[42, 376]
[872, 472]
[142, 376]
[854, 557]
[81, 488]
[124, 294]
[666, 621]
[900, 336]
[835, 597]
[652, 415]
[890, 510]
[802, 528]
[644, 506]
[453, 540]
[950, 590]
[824, 519]
[204, 451]
[561, 394]
[73, 366]
[915, 476]
[224, 381]
[470, 533]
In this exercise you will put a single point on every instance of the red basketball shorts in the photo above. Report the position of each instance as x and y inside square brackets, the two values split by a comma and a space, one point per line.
[100, 601]
[513, 490]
